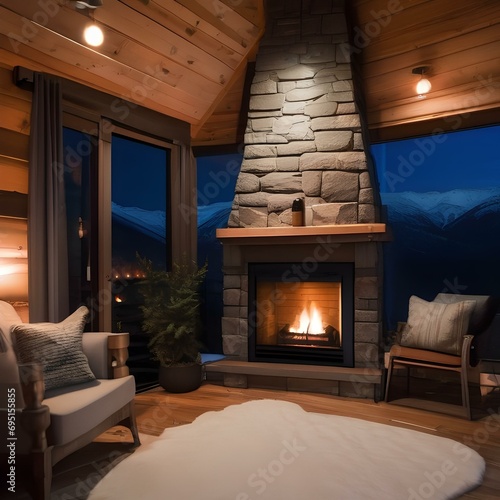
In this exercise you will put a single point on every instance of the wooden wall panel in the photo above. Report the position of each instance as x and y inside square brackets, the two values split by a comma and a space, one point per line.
[15, 110]
[13, 174]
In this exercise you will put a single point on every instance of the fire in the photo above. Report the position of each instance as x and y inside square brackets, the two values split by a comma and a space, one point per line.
[309, 321]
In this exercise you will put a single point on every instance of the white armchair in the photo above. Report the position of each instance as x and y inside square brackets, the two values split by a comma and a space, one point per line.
[49, 425]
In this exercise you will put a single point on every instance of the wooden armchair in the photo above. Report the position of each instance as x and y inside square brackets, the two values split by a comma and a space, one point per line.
[440, 335]
[51, 424]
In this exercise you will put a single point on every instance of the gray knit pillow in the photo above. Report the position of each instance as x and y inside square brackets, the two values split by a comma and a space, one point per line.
[437, 326]
[58, 346]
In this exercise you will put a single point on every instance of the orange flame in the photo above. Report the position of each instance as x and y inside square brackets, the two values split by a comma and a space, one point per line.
[309, 321]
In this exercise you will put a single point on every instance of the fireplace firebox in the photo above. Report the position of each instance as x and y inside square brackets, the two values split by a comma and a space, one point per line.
[301, 315]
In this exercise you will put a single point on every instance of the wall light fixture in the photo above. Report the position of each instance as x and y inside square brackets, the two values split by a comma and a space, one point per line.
[423, 85]
[88, 4]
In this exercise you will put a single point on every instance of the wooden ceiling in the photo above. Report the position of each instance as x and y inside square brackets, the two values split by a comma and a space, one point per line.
[188, 58]
[185, 58]
[458, 40]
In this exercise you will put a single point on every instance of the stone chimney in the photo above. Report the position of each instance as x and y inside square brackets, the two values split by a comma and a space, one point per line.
[304, 140]
[303, 137]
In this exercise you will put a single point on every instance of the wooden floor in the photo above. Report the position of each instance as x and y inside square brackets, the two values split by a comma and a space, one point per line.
[157, 410]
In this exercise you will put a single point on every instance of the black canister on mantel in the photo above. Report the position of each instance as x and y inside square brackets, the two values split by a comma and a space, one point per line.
[298, 212]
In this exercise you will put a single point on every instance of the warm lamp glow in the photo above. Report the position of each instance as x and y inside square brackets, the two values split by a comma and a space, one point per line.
[93, 35]
[6, 270]
[423, 87]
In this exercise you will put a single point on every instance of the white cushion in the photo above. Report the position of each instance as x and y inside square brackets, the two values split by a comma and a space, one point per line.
[76, 410]
[437, 326]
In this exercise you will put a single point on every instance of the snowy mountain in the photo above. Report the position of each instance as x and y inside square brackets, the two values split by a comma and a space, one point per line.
[152, 223]
[458, 223]
[211, 217]
[441, 242]
[443, 208]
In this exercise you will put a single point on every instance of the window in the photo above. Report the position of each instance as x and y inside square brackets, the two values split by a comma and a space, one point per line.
[140, 201]
[217, 176]
[441, 194]
[80, 162]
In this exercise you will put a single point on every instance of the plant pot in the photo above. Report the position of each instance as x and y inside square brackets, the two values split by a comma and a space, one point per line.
[181, 378]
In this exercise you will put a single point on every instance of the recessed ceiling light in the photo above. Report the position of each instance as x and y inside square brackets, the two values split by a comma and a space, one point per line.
[93, 35]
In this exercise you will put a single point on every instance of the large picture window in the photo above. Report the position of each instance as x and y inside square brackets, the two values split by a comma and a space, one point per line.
[140, 201]
[441, 195]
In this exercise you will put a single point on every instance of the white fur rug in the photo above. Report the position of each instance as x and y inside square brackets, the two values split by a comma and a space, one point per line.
[275, 450]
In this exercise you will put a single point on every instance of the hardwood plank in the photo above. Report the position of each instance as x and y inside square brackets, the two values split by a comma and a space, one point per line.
[458, 40]
[15, 113]
[104, 73]
[415, 23]
[157, 410]
[199, 22]
[14, 175]
[14, 144]
[251, 10]
[157, 57]
[225, 19]
[163, 41]
[475, 39]
[400, 83]
[476, 97]
[185, 24]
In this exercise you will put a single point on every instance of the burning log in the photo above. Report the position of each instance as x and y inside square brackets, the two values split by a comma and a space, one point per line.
[333, 335]
[330, 337]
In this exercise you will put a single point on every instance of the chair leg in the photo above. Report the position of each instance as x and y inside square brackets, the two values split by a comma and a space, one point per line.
[41, 467]
[464, 382]
[133, 425]
[388, 381]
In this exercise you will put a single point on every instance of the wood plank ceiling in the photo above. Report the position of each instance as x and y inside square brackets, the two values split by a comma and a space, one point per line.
[188, 58]
[458, 40]
[181, 58]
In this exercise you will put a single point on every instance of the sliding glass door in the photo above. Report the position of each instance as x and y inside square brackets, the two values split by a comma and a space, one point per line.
[140, 226]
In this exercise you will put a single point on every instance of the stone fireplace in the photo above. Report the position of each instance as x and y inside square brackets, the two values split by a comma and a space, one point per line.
[304, 141]
[300, 316]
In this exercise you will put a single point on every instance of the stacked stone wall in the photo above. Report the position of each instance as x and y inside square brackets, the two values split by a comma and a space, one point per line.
[303, 136]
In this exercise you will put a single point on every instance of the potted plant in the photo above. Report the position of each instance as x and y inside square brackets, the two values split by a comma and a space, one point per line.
[171, 317]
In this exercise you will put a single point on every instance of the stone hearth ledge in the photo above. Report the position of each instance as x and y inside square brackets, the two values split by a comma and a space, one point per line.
[360, 382]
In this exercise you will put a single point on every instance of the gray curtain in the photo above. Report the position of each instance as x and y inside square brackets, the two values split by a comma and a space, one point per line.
[47, 241]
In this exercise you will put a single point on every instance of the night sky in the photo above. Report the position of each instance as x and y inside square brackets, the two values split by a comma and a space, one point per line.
[456, 160]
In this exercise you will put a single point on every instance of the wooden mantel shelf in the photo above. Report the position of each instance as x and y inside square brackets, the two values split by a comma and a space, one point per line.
[342, 232]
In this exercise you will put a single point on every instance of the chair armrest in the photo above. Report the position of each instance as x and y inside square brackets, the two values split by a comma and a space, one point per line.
[107, 353]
